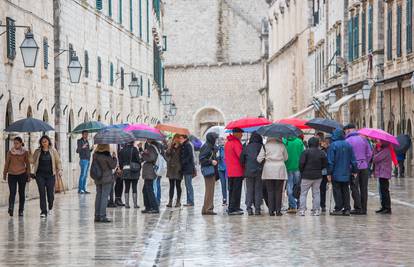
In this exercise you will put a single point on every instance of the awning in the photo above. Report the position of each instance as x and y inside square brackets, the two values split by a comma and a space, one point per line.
[344, 100]
[322, 96]
[302, 112]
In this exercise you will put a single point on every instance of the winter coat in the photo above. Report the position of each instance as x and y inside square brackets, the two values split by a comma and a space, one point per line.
[341, 159]
[56, 162]
[274, 155]
[294, 147]
[149, 156]
[17, 162]
[232, 151]
[248, 157]
[362, 149]
[187, 158]
[382, 162]
[312, 161]
[107, 164]
[208, 151]
[173, 155]
[128, 154]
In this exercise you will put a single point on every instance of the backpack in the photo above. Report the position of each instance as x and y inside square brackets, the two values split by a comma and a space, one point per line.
[96, 170]
[160, 166]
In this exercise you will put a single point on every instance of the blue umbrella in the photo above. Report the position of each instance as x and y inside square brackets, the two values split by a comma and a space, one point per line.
[90, 126]
[144, 134]
[29, 125]
[246, 130]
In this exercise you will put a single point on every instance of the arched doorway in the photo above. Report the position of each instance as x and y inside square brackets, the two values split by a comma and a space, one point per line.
[206, 118]
[8, 121]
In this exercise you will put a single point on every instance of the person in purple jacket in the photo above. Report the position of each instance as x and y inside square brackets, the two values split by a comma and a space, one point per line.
[359, 184]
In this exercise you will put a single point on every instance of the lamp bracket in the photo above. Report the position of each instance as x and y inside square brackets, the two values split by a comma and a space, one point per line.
[61, 51]
[14, 26]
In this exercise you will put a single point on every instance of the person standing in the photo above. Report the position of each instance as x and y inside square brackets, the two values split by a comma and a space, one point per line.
[107, 163]
[17, 173]
[130, 165]
[232, 151]
[46, 165]
[273, 155]
[187, 168]
[174, 173]
[149, 156]
[253, 173]
[359, 184]
[119, 182]
[222, 172]
[324, 144]
[341, 165]
[294, 147]
[157, 182]
[84, 151]
[312, 162]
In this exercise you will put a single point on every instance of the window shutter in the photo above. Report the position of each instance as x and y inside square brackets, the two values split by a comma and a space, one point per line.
[338, 48]
[356, 37]
[86, 64]
[110, 8]
[45, 53]
[370, 28]
[149, 88]
[99, 69]
[389, 34]
[99, 4]
[122, 78]
[141, 86]
[399, 30]
[350, 42]
[11, 38]
[130, 16]
[111, 74]
[148, 34]
[363, 33]
[140, 18]
[120, 12]
[409, 30]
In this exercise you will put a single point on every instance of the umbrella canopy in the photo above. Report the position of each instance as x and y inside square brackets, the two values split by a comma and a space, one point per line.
[279, 130]
[113, 136]
[197, 143]
[29, 125]
[141, 127]
[246, 130]
[324, 125]
[298, 123]
[172, 129]
[247, 123]
[90, 126]
[405, 144]
[144, 134]
[118, 126]
[379, 134]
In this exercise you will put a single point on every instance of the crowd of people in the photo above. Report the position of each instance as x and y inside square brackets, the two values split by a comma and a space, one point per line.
[269, 168]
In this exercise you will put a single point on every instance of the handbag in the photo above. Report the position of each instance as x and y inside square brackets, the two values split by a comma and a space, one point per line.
[134, 166]
[209, 170]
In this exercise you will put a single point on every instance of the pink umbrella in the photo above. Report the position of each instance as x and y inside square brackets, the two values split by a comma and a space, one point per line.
[379, 134]
[141, 127]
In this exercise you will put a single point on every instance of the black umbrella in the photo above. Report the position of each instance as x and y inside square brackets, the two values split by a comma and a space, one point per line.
[144, 134]
[113, 136]
[29, 125]
[405, 144]
[279, 130]
[324, 125]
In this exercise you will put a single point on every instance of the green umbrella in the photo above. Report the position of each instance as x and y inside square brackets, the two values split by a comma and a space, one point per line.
[90, 126]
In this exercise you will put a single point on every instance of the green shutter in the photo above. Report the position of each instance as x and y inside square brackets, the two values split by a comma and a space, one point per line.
[131, 28]
[45, 53]
[149, 88]
[389, 34]
[99, 69]
[141, 86]
[11, 38]
[399, 30]
[111, 74]
[350, 42]
[140, 18]
[409, 27]
[356, 36]
[122, 78]
[86, 64]
[110, 8]
[148, 34]
[99, 4]
[363, 33]
[338, 48]
[370, 28]
[120, 12]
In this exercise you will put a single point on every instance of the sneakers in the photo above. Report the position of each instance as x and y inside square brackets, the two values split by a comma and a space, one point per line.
[292, 211]
[336, 213]
[43, 215]
[236, 213]
[316, 213]
[301, 213]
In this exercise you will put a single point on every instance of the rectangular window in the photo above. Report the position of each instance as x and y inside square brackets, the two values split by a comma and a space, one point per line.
[356, 37]
[86, 64]
[11, 38]
[120, 12]
[363, 33]
[370, 28]
[131, 28]
[149, 88]
[110, 8]
[111, 74]
[164, 46]
[45, 53]
[389, 34]
[409, 33]
[122, 78]
[148, 33]
[350, 41]
[156, 6]
[399, 30]
[140, 18]
[338, 48]
[99, 4]
[99, 69]
[141, 86]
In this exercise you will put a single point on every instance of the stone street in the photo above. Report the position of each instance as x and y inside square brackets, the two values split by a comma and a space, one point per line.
[182, 237]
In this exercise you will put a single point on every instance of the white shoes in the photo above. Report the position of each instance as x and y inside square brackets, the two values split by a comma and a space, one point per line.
[301, 213]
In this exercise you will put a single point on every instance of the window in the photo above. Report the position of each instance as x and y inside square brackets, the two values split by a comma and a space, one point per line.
[399, 30]
[122, 78]
[11, 38]
[110, 8]
[99, 4]
[148, 34]
[130, 16]
[149, 88]
[370, 28]
[99, 69]
[355, 24]
[86, 64]
[409, 32]
[120, 11]
[140, 18]
[164, 46]
[363, 33]
[156, 6]
[338, 47]
[389, 34]
[45, 53]
[111, 74]
[141, 86]
[350, 42]
[316, 12]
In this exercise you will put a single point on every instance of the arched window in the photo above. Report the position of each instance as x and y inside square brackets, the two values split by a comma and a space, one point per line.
[86, 118]
[99, 118]
[8, 121]
[45, 118]
[70, 127]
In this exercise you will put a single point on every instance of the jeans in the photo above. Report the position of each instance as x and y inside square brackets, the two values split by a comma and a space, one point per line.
[235, 190]
[13, 181]
[254, 193]
[385, 193]
[189, 188]
[84, 166]
[293, 178]
[307, 184]
[101, 199]
[46, 185]
[223, 181]
[359, 190]
[150, 202]
[157, 189]
[341, 196]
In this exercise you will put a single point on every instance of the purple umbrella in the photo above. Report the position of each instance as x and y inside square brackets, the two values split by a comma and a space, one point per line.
[379, 134]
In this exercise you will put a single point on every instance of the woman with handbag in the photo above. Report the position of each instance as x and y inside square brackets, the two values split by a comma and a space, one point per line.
[17, 172]
[149, 156]
[130, 165]
[174, 173]
[208, 162]
[46, 165]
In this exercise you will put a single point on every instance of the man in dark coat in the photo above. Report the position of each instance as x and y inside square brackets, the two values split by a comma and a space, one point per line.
[187, 168]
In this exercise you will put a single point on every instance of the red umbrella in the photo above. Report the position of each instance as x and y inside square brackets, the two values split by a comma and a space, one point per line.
[247, 123]
[298, 123]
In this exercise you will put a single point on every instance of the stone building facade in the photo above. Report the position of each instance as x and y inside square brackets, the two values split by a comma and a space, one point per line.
[214, 61]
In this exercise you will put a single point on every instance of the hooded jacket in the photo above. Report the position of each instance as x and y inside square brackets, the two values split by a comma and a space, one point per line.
[341, 159]
[294, 147]
[248, 157]
[232, 151]
[313, 161]
[382, 162]
[208, 150]
[362, 149]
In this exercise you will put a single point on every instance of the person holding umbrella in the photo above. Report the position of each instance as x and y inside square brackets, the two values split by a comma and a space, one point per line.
[84, 151]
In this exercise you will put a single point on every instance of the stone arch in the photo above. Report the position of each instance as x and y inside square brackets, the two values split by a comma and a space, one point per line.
[8, 121]
[206, 118]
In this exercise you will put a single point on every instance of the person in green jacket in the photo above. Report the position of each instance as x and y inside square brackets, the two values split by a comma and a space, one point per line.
[294, 147]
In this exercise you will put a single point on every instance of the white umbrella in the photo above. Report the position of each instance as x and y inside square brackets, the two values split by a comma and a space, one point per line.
[216, 129]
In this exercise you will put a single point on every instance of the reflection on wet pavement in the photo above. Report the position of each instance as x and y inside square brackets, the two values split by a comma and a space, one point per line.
[182, 237]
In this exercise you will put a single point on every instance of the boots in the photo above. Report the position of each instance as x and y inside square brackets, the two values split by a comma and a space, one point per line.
[169, 205]
[178, 203]
[127, 201]
[118, 202]
[135, 199]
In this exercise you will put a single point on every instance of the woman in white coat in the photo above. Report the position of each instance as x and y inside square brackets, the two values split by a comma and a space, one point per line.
[273, 154]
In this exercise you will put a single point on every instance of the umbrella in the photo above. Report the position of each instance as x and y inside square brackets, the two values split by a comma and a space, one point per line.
[324, 125]
[196, 142]
[379, 134]
[298, 123]
[279, 130]
[29, 125]
[172, 129]
[117, 126]
[141, 127]
[247, 123]
[113, 136]
[405, 144]
[144, 134]
[216, 129]
[90, 126]
[246, 130]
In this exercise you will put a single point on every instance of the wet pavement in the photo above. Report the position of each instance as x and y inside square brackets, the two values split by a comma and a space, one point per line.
[182, 237]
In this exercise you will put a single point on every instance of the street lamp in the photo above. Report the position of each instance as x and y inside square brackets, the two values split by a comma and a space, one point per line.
[332, 97]
[134, 87]
[29, 50]
[74, 69]
[173, 110]
[366, 90]
[166, 97]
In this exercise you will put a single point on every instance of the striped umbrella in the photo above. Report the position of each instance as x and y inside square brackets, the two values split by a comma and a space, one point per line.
[113, 136]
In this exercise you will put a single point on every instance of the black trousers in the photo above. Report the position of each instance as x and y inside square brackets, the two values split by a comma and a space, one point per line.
[341, 196]
[175, 184]
[359, 190]
[128, 183]
[46, 185]
[13, 181]
[119, 187]
[385, 193]
[235, 190]
[150, 202]
[323, 189]
[274, 195]
[401, 168]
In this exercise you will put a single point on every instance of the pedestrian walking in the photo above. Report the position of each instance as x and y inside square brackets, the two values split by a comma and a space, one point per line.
[46, 166]
[84, 151]
[209, 169]
[324, 145]
[294, 147]
[341, 165]
[273, 155]
[174, 172]
[359, 184]
[222, 172]
[107, 163]
[149, 156]
[312, 162]
[253, 174]
[17, 173]
[130, 165]
[187, 168]
[232, 151]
